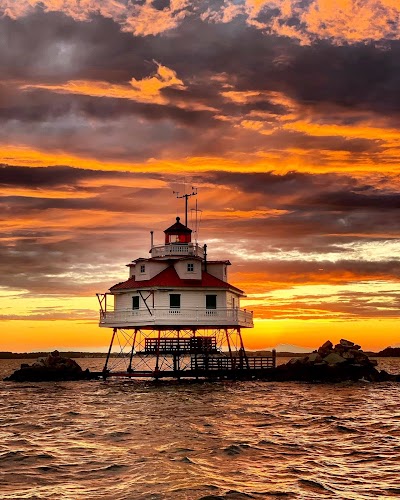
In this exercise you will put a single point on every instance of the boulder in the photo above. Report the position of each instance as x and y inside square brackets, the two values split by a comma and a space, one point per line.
[52, 368]
[333, 359]
[345, 361]
[346, 343]
[313, 358]
[325, 348]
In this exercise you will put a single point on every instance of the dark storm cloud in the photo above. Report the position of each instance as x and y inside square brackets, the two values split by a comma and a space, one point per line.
[336, 192]
[211, 59]
[52, 47]
[62, 262]
[347, 201]
[300, 271]
[42, 177]
[272, 183]
[35, 105]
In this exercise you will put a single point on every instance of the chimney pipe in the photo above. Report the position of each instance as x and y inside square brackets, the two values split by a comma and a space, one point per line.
[151, 240]
[205, 257]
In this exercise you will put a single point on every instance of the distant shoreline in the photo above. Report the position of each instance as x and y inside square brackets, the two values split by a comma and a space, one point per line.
[392, 352]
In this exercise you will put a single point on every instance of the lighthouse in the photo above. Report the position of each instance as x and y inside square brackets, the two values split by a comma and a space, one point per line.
[177, 315]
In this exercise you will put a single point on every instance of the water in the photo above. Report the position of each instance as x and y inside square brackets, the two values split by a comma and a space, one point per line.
[228, 440]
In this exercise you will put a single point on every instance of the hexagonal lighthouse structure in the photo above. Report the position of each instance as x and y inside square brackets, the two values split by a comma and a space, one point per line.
[177, 315]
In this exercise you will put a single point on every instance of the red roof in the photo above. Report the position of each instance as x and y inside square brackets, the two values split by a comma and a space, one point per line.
[178, 227]
[170, 278]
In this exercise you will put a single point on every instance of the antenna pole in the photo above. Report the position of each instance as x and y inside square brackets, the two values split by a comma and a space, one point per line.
[186, 196]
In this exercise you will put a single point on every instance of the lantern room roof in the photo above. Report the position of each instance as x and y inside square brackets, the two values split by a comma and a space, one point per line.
[178, 228]
[170, 278]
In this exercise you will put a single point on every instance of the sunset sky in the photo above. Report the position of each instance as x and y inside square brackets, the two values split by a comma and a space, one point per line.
[285, 114]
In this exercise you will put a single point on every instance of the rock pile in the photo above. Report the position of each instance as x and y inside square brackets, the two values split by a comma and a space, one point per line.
[344, 352]
[54, 367]
[344, 361]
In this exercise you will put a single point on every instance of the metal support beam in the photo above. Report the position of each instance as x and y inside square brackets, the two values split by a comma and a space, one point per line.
[105, 370]
[132, 350]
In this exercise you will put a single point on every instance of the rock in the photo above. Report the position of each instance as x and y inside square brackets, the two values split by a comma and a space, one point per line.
[360, 357]
[52, 368]
[333, 359]
[325, 348]
[344, 362]
[346, 343]
[348, 355]
[313, 358]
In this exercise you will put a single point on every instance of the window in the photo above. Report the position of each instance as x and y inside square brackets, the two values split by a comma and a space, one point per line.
[142, 268]
[175, 300]
[135, 302]
[211, 301]
[190, 268]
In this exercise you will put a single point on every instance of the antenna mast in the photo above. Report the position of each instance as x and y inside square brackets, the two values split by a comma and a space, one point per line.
[197, 222]
[186, 196]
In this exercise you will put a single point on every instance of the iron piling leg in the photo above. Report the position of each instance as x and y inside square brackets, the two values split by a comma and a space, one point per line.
[230, 350]
[157, 368]
[243, 349]
[133, 348]
[105, 370]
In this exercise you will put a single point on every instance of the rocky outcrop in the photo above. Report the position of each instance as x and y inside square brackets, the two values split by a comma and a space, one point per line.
[344, 361]
[389, 352]
[51, 368]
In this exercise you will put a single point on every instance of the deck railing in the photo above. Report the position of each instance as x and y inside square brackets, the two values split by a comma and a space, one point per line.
[228, 363]
[177, 316]
[190, 249]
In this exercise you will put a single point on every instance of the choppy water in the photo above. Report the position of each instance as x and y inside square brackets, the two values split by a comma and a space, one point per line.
[230, 440]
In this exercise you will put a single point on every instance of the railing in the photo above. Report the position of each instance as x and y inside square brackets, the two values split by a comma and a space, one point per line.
[182, 345]
[177, 249]
[235, 363]
[177, 316]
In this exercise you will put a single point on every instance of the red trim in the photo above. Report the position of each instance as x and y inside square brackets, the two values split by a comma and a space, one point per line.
[169, 278]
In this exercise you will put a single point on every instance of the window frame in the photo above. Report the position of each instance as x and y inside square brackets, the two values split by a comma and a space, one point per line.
[177, 297]
[190, 267]
[135, 302]
[142, 268]
[213, 305]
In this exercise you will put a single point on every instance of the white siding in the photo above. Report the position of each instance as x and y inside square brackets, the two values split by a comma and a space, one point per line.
[233, 300]
[152, 268]
[190, 299]
[219, 270]
[181, 268]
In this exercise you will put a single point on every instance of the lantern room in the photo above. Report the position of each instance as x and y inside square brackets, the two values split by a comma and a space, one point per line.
[178, 233]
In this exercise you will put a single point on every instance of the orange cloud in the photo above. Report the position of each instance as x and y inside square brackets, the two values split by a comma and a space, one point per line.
[347, 21]
[141, 20]
[146, 90]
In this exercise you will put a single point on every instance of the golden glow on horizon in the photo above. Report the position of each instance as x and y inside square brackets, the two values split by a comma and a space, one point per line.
[28, 335]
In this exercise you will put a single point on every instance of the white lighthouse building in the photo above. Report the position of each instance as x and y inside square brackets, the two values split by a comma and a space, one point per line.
[177, 287]
[176, 314]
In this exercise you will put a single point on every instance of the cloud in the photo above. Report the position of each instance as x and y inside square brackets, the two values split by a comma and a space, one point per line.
[348, 22]
[285, 115]
[146, 18]
[145, 90]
